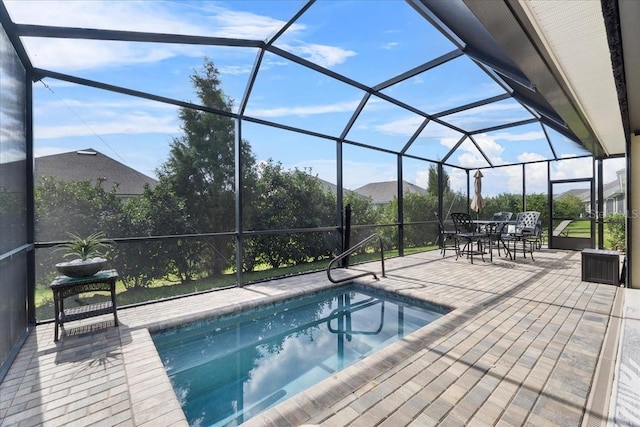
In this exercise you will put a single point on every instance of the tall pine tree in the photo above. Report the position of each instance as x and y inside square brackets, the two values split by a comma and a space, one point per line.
[432, 183]
[200, 168]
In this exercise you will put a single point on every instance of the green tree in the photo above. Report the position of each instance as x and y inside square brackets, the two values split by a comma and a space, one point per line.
[617, 226]
[539, 202]
[432, 181]
[416, 208]
[505, 202]
[138, 262]
[420, 207]
[453, 201]
[290, 199]
[364, 212]
[167, 215]
[200, 169]
[568, 206]
[78, 207]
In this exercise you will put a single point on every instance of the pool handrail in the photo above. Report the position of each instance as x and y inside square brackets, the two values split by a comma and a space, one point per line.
[352, 250]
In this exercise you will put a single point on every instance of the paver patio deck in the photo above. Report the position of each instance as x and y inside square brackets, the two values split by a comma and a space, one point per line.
[527, 343]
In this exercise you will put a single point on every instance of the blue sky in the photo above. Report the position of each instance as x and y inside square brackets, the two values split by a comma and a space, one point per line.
[367, 44]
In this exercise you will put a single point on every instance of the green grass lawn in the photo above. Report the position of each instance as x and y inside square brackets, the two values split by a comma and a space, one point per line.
[582, 228]
[578, 229]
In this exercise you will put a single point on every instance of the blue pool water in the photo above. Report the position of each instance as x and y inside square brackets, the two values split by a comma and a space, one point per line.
[227, 370]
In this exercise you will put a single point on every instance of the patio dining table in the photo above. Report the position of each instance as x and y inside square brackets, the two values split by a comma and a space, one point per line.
[489, 226]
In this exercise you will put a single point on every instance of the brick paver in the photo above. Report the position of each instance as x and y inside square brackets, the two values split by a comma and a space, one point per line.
[520, 345]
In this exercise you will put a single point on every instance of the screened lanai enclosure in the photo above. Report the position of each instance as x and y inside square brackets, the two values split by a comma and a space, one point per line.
[219, 144]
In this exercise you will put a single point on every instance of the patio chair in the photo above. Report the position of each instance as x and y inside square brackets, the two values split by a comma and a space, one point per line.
[502, 216]
[527, 232]
[446, 238]
[538, 233]
[466, 236]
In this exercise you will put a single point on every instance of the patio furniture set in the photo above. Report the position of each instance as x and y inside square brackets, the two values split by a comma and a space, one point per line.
[471, 237]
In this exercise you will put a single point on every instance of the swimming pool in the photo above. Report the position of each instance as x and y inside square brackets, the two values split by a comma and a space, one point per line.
[228, 370]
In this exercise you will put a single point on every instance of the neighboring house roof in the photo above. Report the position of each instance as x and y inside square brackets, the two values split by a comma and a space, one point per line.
[334, 188]
[579, 192]
[610, 190]
[90, 164]
[328, 186]
[385, 192]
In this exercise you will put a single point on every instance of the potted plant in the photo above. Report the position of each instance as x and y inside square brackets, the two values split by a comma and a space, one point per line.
[88, 253]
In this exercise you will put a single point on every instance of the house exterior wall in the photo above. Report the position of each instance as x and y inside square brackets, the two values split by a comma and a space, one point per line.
[633, 237]
[609, 206]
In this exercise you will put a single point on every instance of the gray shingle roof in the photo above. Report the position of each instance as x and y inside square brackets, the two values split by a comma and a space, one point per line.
[384, 192]
[611, 189]
[90, 164]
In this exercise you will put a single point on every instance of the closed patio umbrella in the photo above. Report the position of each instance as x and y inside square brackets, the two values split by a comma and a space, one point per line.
[477, 204]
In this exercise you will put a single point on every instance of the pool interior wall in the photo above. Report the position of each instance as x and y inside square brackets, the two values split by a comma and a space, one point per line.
[227, 370]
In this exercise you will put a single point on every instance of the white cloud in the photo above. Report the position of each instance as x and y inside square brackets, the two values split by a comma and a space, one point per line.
[475, 117]
[144, 16]
[449, 142]
[422, 178]
[572, 168]
[322, 55]
[526, 136]
[72, 54]
[209, 19]
[611, 167]
[75, 117]
[457, 179]
[358, 174]
[448, 136]
[536, 178]
[86, 54]
[405, 126]
[130, 123]
[247, 25]
[64, 118]
[234, 70]
[530, 157]
[468, 155]
[303, 111]
[390, 45]
[100, 107]
[489, 146]
[472, 160]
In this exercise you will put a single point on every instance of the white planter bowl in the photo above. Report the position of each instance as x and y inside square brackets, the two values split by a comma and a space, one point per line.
[79, 268]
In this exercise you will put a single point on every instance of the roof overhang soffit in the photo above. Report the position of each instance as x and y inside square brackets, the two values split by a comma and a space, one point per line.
[500, 35]
[509, 24]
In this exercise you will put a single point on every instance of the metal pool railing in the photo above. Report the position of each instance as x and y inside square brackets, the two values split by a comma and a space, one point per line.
[352, 250]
